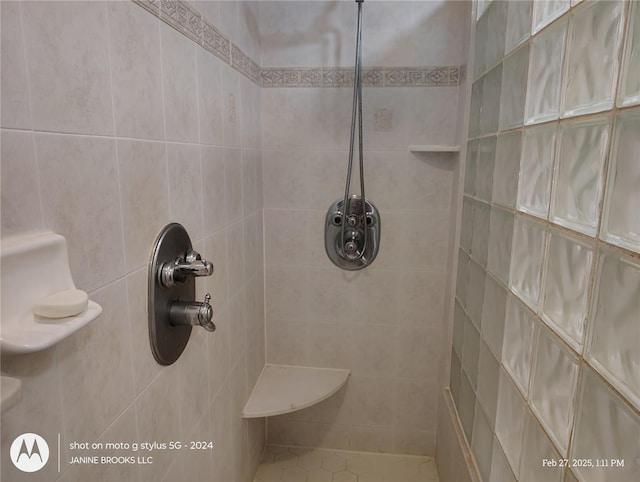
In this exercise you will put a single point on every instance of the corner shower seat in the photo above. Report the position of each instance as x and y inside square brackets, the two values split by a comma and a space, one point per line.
[283, 389]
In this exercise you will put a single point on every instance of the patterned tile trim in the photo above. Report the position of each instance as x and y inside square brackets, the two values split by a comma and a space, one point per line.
[371, 77]
[186, 20]
[183, 18]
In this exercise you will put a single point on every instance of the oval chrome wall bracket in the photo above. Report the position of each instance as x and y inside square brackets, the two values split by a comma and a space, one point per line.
[172, 313]
[354, 254]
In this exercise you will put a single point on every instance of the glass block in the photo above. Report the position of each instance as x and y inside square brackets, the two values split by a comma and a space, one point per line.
[462, 278]
[536, 448]
[536, 169]
[481, 443]
[454, 377]
[475, 293]
[514, 89]
[488, 373]
[490, 110]
[493, 315]
[476, 106]
[496, 30]
[578, 185]
[482, 7]
[484, 172]
[500, 240]
[554, 382]
[482, 31]
[545, 73]
[506, 169]
[605, 429]
[500, 470]
[591, 68]
[526, 260]
[510, 420]
[471, 168]
[629, 90]
[621, 224]
[518, 23]
[546, 11]
[614, 338]
[466, 229]
[466, 407]
[480, 236]
[566, 287]
[470, 352]
[459, 319]
[520, 333]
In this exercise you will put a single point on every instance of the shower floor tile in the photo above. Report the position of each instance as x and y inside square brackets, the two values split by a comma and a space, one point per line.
[295, 464]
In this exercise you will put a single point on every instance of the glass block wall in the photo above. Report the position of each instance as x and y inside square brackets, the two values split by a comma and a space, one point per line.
[545, 363]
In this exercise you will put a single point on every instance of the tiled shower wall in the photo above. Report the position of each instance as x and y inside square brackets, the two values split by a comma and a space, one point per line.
[385, 323]
[114, 124]
[545, 364]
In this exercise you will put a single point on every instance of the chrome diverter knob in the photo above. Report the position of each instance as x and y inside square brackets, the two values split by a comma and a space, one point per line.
[192, 313]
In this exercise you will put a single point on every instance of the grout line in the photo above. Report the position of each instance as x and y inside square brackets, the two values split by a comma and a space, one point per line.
[30, 105]
[124, 278]
[115, 146]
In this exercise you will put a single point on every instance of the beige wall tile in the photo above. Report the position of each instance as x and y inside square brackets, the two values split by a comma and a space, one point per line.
[80, 201]
[90, 402]
[62, 39]
[21, 210]
[14, 90]
[136, 65]
[185, 187]
[233, 184]
[179, 83]
[142, 168]
[210, 98]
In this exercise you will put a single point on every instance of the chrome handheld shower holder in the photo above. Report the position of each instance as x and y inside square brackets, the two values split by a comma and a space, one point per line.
[346, 232]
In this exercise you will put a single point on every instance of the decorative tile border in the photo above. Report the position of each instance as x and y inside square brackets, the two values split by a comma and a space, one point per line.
[183, 18]
[371, 77]
[186, 20]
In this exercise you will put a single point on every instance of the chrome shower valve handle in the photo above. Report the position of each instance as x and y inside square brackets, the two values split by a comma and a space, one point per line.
[192, 313]
[177, 270]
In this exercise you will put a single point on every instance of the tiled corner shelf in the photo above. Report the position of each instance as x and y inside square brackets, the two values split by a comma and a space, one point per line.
[284, 389]
[433, 148]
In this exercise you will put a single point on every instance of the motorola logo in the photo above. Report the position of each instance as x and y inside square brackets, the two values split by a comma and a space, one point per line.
[29, 452]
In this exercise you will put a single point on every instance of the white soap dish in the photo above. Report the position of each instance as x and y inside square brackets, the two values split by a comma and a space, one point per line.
[35, 267]
[62, 304]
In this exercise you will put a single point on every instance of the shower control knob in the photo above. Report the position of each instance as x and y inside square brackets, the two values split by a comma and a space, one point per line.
[351, 248]
[192, 313]
[352, 221]
[177, 270]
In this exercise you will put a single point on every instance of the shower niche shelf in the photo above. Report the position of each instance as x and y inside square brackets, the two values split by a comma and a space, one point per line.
[283, 389]
[35, 266]
[433, 148]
